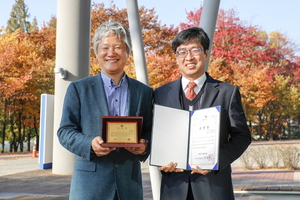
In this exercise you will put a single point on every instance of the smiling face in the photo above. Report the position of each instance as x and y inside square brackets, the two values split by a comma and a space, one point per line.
[112, 56]
[192, 66]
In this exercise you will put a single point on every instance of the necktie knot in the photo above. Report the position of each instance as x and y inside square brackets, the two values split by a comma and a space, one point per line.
[191, 85]
[190, 94]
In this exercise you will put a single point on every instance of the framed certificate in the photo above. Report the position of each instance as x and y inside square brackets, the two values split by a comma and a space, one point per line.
[121, 131]
[190, 138]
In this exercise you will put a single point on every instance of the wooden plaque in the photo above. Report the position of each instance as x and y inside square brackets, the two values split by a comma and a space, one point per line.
[121, 131]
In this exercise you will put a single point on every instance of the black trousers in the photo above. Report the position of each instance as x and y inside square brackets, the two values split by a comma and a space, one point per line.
[116, 196]
[190, 195]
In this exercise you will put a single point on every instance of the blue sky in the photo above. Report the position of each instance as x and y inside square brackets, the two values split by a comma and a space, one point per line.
[268, 15]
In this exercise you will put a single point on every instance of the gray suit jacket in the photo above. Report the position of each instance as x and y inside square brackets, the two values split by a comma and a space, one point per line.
[234, 139]
[99, 177]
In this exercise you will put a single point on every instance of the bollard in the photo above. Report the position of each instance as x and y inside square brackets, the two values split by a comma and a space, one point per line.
[34, 151]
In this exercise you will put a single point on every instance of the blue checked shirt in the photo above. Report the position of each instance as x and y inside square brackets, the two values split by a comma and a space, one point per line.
[116, 95]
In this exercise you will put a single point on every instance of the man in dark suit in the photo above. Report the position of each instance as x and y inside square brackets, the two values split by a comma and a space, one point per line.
[191, 49]
[106, 172]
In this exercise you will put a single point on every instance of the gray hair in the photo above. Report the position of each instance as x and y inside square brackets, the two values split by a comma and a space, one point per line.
[112, 27]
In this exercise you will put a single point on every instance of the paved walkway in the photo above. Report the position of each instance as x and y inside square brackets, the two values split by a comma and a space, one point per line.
[21, 179]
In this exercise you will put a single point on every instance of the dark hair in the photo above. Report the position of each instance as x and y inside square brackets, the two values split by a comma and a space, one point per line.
[193, 34]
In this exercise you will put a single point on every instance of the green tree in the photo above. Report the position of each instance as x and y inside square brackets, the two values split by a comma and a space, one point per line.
[34, 24]
[18, 18]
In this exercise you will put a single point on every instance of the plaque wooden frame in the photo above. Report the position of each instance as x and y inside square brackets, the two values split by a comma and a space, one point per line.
[111, 120]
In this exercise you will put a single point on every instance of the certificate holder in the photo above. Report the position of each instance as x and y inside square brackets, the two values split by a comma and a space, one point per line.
[189, 138]
[119, 131]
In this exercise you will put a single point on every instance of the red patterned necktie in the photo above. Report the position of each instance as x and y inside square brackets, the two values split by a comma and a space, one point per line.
[190, 94]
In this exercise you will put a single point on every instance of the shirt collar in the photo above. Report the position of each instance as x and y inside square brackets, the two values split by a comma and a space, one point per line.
[108, 82]
[199, 81]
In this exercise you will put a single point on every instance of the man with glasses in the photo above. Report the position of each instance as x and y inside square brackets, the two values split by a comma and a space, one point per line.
[197, 89]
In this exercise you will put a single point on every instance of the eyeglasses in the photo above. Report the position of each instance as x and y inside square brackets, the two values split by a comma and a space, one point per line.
[194, 51]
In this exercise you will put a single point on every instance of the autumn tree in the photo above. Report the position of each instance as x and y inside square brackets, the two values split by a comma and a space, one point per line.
[40, 63]
[262, 65]
[15, 75]
[284, 108]
[27, 62]
[254, 60]
[43, 77]
[156, 37]
[14, 105]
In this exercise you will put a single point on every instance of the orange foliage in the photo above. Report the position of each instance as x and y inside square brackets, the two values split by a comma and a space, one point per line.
[162, 69]
[262, 65]
[156, 37]
[25, 74]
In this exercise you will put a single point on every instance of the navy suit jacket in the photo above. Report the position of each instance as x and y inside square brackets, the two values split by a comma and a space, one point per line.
[234, 139]
[99, 177]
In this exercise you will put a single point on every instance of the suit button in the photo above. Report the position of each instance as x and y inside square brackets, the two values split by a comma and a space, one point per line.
[117, 166]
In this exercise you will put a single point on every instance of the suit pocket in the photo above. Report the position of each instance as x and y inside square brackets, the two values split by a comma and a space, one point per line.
[85, 166]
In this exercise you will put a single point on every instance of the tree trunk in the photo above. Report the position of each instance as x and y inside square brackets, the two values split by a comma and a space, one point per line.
[28, 139]
[13, 139]
[3, 136]
[36, 131]
[4, 127]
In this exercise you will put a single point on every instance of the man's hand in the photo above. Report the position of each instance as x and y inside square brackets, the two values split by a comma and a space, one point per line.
[138, 150]
[199, 171]
[100, 151]
[171, 167]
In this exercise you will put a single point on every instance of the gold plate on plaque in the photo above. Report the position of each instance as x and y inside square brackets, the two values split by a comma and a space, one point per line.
[121, 131]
